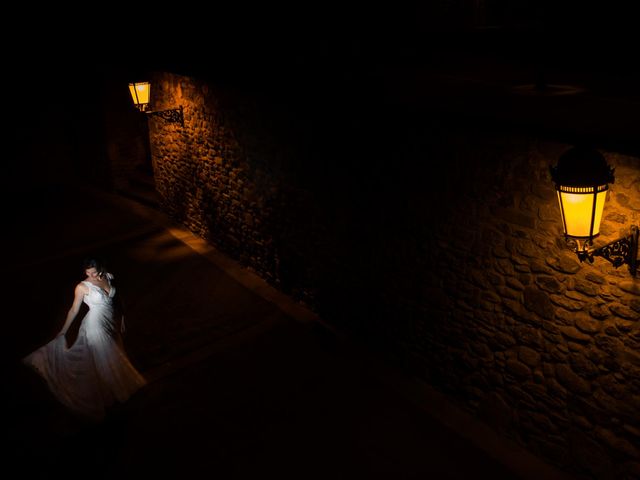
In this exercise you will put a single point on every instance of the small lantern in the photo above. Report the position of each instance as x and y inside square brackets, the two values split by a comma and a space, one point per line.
[582, 179]
[141, 95]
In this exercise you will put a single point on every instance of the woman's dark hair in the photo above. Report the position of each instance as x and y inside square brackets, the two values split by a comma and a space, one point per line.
[96, 263]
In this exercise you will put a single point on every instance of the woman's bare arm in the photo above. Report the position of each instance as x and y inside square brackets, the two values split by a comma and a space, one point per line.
[79, 293]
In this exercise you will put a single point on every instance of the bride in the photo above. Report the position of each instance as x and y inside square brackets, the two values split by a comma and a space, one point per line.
[94, 372]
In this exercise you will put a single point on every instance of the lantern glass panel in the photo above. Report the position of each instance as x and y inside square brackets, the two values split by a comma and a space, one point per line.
[141, 93]
[577, 207]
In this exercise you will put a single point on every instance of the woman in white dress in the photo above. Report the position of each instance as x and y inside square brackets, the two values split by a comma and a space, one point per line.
[94, 372]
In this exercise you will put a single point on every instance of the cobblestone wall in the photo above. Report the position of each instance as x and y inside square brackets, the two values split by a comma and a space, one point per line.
[446, 247]
[229, 175]
[503, 316]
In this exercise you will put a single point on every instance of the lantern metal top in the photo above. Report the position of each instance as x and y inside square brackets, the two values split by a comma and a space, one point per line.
[582, 167]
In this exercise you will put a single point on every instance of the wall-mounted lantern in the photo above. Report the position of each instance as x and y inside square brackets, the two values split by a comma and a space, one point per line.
[582, 178]
[141, 95]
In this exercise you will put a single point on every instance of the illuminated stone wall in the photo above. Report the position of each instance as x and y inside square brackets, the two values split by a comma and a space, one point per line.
[228, 175]
[443, 246]
[500, 315]
[204, 175]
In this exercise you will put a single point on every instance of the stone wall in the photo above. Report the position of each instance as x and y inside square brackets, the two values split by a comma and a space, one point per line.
[224, 175]
[501, 315]
[441, 244]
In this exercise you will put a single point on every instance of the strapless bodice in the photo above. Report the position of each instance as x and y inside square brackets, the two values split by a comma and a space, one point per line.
[98, 296]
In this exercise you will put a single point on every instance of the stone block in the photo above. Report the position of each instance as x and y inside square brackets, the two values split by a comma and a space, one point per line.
[571, 381]
[537, 301]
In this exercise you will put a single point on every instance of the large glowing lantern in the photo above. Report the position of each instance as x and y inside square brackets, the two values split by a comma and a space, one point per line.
[582, 177]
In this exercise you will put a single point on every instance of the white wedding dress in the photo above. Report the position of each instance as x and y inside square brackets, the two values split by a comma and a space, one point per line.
[95, 371]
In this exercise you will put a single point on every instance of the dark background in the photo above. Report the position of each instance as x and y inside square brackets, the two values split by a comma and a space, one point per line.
[314, 59]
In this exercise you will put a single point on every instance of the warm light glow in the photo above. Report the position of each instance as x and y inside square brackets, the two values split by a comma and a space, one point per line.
[577, 207]
[141, 94]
